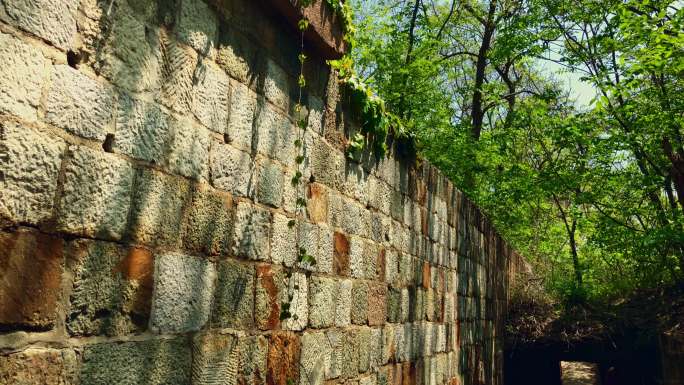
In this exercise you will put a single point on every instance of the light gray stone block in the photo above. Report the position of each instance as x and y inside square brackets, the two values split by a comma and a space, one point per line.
[183, 291]
[274, 134]
[232, 170]
[151, 362]
[215, 357]
[96, 196]
[283, 241]
[52, 20]
[211, 97]
[234, 301]
[298, 288]
[23, 71]
[323, 293]
[253, 352]
[142, 130]
[251, 232]
[276, 86]
[129, 55]
[243, 103]
[178, 76]
[198, 26]
[315, 358]
[159, 201]
[343, 303]
[30, 165]
[79, 104]
[270, 185]
[359, 305]
[188, 149]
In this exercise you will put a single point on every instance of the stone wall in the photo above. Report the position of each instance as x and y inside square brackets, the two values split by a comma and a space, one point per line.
[146, 152]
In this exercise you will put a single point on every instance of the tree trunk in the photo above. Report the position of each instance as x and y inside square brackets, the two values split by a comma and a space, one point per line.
[477, 115]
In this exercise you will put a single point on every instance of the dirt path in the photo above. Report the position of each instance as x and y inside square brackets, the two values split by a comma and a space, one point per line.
[579, 373]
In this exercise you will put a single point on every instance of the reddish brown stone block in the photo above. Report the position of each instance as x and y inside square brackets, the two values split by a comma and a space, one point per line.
[408, 376]
[317, 203]
[410, 372]
[268, 306]
[31, 271]
[341, 255]
[377, 304]
[139, 266]
[426, 275]
[397, 374]
[380, 265]
[283, 358]
[424, 221]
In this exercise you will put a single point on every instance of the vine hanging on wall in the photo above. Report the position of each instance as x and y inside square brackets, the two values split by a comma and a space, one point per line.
[303, 256]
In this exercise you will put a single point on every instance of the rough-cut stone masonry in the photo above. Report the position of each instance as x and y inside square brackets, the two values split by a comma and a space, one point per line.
[146, 152]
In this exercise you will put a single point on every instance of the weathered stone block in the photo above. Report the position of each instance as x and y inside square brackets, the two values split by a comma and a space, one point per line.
[315, 358]
[243, 103]
[283, 245]
[211, 97]
[270, 186]
[324, 259]
[388, 344]
[347, 353]
[283, 358]
[359, 306]
[142, 130]
[394, 305]
[341, 254]
[112, 289]
[52, 20]
[343, 303]
[30, 164]
[178, 75]
[253, 360]
[234, 301]
[363, 257]
[277, 86]
[297, 295]
[162, 361]
[38, 366]
[368, 380]
[183, 291]
[208, 222]
[237, 55]
[159, 201]
[323, 293]
[251, 232]
[317, 203]
[128, 55]
[270, 285]
[31, 267]
[214, 356]
[391, 266]
[96, 196]
[231, 170]
[274, 134]
[188, 149]
[79, 104]
[327, 164]
[377, 304]
[365, 348]
[198, 26]
[23, 71]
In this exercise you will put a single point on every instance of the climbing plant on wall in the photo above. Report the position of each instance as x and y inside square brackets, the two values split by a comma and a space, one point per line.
[303, 256]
